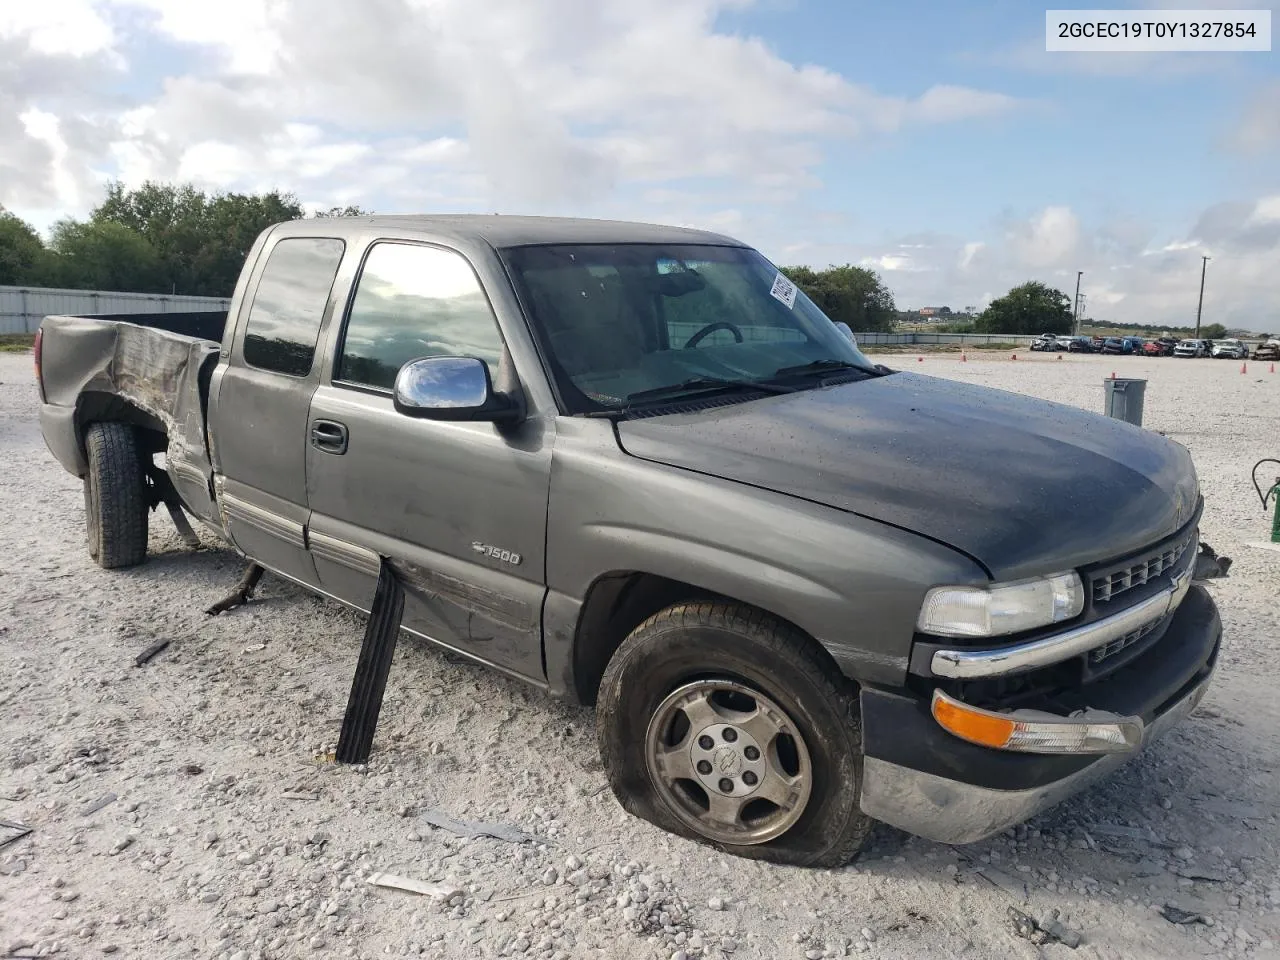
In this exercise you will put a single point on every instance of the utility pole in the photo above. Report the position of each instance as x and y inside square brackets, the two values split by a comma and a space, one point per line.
[1075, 319]
[1204, 263]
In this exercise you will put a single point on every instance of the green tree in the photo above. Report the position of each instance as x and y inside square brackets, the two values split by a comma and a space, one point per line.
[1029, 308]
[21, 250]
[1213, 331]
[347, 211]
[103, 256]
[201, 240]
[850, 294]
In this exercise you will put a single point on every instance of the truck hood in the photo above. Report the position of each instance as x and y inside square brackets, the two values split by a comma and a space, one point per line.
[1023, 486]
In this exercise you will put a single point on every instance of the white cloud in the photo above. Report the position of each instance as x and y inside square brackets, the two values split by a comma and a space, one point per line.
[969, 252]
[1175, 247]
[1048, 238]
[556, 102]
[57, 27]
[942, 104]
[240, 29]
[1259, 125]
[1267, 210]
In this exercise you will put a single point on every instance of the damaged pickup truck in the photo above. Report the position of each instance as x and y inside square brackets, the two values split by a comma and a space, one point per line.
[633, 465]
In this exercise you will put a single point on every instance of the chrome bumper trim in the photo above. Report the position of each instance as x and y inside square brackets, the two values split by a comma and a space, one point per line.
[969, 664]
[949, 811]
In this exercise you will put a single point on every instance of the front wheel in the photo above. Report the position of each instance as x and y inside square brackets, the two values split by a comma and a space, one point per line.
[722, 724]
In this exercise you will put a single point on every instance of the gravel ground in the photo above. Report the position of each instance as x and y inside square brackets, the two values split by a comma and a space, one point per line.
[228, 835]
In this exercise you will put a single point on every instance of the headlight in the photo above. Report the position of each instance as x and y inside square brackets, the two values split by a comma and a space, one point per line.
[1001, 608]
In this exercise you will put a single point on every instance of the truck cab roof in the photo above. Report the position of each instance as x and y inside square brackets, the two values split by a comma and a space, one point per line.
[501, 232]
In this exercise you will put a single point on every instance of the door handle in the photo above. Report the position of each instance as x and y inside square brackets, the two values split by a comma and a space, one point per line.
[329, 436]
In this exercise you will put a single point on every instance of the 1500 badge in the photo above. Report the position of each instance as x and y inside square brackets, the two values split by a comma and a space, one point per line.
[496, 553]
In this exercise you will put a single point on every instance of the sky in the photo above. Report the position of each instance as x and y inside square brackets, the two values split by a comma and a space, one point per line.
[936, 143]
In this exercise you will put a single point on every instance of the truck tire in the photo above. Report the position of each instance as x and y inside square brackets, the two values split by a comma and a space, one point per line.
[720, 723]
[115, 496]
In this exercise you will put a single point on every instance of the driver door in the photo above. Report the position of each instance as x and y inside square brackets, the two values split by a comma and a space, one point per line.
[431, 496]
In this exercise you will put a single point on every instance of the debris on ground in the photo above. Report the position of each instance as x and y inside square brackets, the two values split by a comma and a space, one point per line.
[1179, 916]
[473, 828]
[91, 808]
[1051, 931]
[16, 832]
[1197, 873]
[1122, 832]
[146, 655]
[242, 593]
[436, 891]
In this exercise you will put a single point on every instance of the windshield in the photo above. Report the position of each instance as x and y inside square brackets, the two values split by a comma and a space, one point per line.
[627, 323]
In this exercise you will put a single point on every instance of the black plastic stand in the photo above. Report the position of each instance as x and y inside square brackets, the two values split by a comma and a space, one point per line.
[376, 653]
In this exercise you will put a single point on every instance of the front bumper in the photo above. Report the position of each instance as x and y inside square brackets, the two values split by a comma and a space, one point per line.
[919, 777]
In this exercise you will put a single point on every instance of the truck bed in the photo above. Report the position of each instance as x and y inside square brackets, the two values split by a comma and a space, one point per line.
[151, 369]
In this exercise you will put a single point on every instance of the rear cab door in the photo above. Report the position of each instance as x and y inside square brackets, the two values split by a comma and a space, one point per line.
[260, 395]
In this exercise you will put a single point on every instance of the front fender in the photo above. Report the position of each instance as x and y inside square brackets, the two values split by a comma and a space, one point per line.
[853, 584]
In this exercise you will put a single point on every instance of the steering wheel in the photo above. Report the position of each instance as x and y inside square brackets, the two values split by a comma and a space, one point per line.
[711, 328]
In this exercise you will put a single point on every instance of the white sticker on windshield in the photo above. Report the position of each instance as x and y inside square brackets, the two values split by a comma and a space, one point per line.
[784, 290]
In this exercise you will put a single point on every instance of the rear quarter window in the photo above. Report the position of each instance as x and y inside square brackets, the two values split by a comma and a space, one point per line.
[288, 305]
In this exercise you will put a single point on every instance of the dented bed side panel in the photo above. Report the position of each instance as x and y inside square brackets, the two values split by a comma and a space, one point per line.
[146, 373]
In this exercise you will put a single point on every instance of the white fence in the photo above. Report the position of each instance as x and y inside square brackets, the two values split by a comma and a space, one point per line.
[22, 308]
[887, 339]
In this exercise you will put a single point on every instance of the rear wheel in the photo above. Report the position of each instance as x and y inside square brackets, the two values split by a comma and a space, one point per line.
[115, 496]
[722, 724]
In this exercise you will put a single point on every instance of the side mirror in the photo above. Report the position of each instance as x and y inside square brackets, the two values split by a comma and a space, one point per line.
[452, 388]
[845, 329]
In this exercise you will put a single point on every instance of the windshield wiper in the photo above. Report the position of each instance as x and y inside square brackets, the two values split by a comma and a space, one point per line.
[823, 366]
[701, 384]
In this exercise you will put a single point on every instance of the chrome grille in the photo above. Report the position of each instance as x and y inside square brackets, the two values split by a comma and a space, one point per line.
[1145, 569]
[1098, 654]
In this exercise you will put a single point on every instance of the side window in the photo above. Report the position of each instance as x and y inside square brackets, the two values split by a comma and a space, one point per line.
[284, 320]
[412, 302]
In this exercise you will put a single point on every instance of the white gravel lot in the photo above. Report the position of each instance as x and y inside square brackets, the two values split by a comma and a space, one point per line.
[227, 838]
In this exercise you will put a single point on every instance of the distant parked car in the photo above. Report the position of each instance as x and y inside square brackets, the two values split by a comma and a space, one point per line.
[1081, 345]
[1157, 348]
[1046, 341]
[1230, 349]
[1098, 342]
[1267, 350]
[1122, 345]
[1191, 348]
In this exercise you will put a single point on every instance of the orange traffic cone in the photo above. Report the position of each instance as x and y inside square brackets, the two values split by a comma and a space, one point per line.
[1014, 357]
[1243, 368]
[919, 359]
[965, 359]
[1113, 374]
